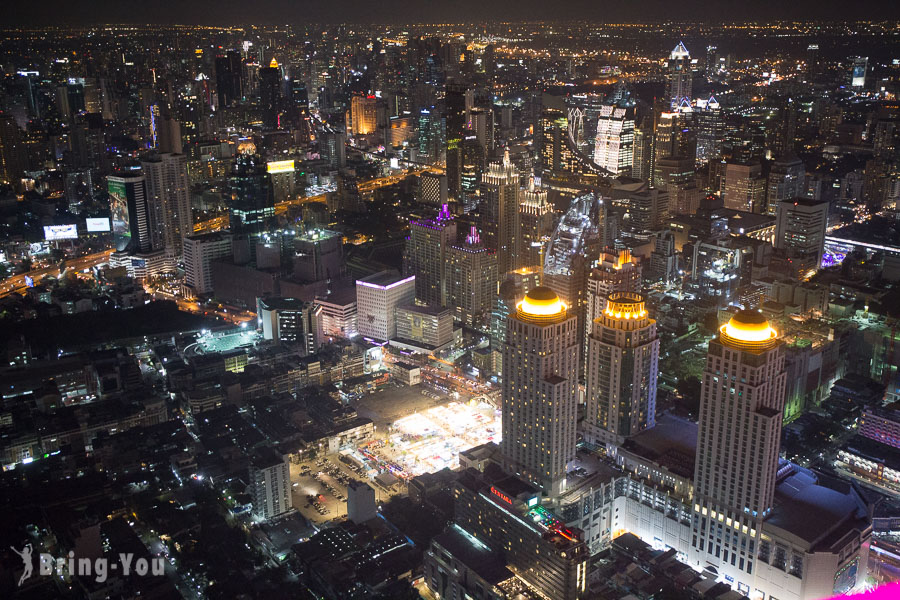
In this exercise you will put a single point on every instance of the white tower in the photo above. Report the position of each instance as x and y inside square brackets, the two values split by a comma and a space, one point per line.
[741, 411]
[540, 393]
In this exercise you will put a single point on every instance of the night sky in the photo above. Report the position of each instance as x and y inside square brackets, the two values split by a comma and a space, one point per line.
[72, 12]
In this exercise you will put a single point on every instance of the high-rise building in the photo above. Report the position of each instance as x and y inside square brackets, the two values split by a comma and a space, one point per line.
[800, 225]
[613, 272]
[744, 187]
[199, 251]
[679, 77]
[129, 211]
[362, 114]
[12, 152]
[739, 435]
[858, 72]
[498, 211]
[229, 77]
[473, 277]
[291, 320]
[430, 135]
[318, 255]
[426, 255]
[271, 83]
[535, 226]
[455, 127]
[270, 484]
[710, 124]
[332, 148]
[621, 371]
[787, 180]
[169, 201]
[360, 502]
[679, 179]
[377, 299]
[252, 206]
[642, 151]
[614, 145]
[540, 390]
[433, 189]
[425, 329]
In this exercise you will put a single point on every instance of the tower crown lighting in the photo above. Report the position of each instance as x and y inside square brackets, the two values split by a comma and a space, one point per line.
[748, 330]
[541, 305]
[625, 305]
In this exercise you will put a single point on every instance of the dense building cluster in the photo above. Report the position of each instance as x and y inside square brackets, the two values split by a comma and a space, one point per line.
[450, 311]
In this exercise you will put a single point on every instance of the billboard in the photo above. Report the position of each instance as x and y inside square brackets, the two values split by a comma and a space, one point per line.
[60, 232]
[280, 166]
[118, 210]
[858, 75]
[97, 224]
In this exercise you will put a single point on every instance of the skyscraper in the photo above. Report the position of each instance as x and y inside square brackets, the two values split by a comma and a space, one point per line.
[270, 86]
[129, 211]
[12, 152]
[426, 255]
[540, 390]
[252, 207]
[787, 180]
[270, 484]
[621, 371]
[739, 434]
[362, 114]
[535, 226]
[455, 122]
[614, 145]
[710, 124]
[199, 251]
[169, 201]
[800, 225]
[744, 187]
[377, 299]
[473, 278]
[498, 211]
[229, 78]
[678, 77]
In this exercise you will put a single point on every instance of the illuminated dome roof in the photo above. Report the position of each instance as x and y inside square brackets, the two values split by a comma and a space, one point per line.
[541, 304]
[748, 329]
[246, 147]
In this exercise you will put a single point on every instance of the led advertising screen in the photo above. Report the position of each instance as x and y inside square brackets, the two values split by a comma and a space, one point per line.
[97, 224]
[118, 209]
[60, 232]
[280, 166]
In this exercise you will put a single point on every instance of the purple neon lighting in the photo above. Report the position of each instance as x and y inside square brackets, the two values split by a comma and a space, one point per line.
[473, 238]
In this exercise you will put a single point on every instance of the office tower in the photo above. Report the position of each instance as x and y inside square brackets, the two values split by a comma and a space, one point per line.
[318, 255]
[481, 122]
[169, 201]
[787, 180]
[270, 86]
[270, 484]
[433, 189]
[498, 211]
[613, 272]
[535, 226]
[678, 78]
[665, 142]
[710, 125]
[553, 129]
[430, 137]
[473, 277]
[679, 179]
[455, 126]
[614, 145]
[663, 260]
[640, 209]
[426, 254]
[339, 314]
[362, 114]
[291, 320]
[744, 187]
[800, 225]
[499, 520]
[621, 371]
[12, 153]
[360, 502]
[540, 390]
[129, 212]
[858, 72]
[642, 151]
[711, 65]
[377, 299]
[423, 329]
[332, 148]
[199, 251]
[229, 78]
[252, 206]
[738, 439]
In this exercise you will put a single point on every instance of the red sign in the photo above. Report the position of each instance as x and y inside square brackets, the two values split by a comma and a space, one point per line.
[501, 495]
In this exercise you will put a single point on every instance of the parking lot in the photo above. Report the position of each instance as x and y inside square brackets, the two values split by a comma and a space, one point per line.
[319, 489]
